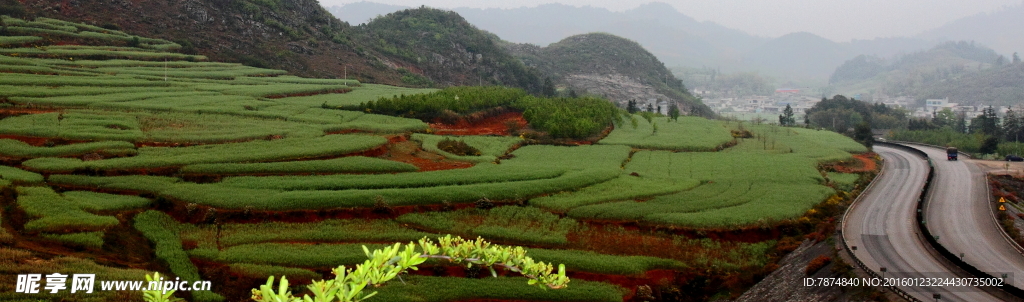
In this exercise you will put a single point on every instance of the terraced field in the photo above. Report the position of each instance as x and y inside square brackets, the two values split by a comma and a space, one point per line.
[117, 150]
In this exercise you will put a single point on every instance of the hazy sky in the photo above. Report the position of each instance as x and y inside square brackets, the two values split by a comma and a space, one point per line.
[838, 20]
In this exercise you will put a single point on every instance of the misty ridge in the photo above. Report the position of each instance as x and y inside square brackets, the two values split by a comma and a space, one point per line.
[681, 42]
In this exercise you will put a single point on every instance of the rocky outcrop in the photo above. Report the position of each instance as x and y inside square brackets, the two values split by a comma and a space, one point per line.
[616, 88]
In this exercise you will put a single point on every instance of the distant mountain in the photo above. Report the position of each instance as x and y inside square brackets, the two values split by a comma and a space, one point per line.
[675, 38]
[1000, 30]
[965, 72]
[361, 12]
[611, 66]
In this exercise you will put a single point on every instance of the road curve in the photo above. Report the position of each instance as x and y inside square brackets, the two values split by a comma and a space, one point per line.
[958, 211]
[882, 227]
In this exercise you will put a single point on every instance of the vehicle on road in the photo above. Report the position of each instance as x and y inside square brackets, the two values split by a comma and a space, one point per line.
[1012, 157]
[951, 153]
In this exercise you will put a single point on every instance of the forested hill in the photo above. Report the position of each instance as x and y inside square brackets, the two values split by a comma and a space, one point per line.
[418, 47]
[447, 49]
[608, 65]
[964, 72]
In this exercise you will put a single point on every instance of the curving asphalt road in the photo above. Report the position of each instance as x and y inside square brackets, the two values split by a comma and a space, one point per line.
[882, 226]
[958, 211]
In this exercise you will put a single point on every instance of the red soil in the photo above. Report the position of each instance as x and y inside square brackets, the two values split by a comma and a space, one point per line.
[864, 162]
[401, 150]
[22, 111]
[498, 125]
[40, 141]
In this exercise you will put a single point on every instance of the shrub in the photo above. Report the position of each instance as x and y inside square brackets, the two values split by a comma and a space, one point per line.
[87, 239]
[15, 175]
[816, 264]
[457, 147]
[568, 117]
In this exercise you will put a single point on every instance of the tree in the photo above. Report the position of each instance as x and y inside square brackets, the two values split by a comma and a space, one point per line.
[1000, 60]
[650, 108]
[989, 146]
[944, 117]
[862, 134]
[572, 94]
[786, 118]
[548, 89]
[987, 123]
[673, 112]
[961, 122]
[1012, 126]
[631, 107]
[916, 124]
[1016, 58]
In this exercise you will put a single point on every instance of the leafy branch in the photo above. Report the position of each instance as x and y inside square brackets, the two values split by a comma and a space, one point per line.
[389, 262]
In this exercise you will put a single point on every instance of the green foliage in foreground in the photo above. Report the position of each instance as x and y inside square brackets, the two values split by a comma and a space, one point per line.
[491, 147]
[54, 213]
[19, 149]
[353, 164]
[15, 175]
[688, 133]
[162, 230]
[159, 157]
[387, 263]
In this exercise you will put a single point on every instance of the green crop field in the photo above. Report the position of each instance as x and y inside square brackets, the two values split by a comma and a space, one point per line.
[685, 134]
[120, 148]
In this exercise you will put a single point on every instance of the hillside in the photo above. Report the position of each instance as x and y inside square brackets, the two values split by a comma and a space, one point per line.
[966, 73]
[303, 38]
[611, 66]
[446, 49]
[121, 157]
